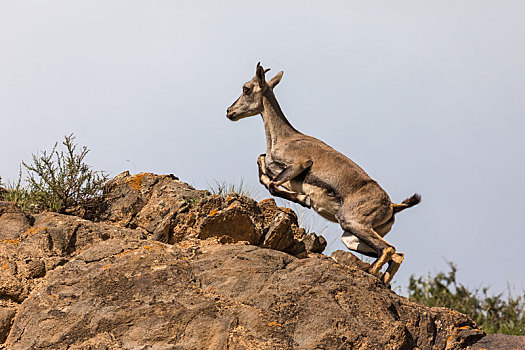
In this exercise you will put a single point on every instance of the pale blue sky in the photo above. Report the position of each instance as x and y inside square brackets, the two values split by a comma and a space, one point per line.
[427, 96]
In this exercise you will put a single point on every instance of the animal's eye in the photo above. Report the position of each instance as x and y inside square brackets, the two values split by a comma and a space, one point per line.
[246, 90]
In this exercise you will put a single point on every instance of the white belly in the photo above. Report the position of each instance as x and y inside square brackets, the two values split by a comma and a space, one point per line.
[325, 205]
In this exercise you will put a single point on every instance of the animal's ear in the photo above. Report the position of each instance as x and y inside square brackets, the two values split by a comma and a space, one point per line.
[275, 80]
[259, 73]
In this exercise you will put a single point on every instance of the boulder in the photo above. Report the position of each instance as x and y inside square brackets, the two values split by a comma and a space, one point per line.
[130, 294]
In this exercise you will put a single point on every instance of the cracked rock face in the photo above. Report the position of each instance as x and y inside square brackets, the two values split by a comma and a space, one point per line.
[161, 265]
[198, 294]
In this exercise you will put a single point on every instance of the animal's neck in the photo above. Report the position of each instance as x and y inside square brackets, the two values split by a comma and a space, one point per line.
[276, 126]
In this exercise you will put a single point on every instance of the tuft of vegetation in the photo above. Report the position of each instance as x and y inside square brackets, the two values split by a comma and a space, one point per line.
[15, 192]
[222, 188]
[57, 180]
[494, 314]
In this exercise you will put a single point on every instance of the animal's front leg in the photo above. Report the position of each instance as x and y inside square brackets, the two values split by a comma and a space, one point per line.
[264, 179]
[292, 171]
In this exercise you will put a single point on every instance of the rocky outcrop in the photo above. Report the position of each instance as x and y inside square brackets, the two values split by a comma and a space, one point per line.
[171, 211]
[197, 294]
[160, 265]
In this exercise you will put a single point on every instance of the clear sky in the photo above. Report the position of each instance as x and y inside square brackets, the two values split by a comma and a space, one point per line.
[427, 96]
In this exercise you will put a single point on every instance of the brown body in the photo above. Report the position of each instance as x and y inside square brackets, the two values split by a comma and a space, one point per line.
[307, 171]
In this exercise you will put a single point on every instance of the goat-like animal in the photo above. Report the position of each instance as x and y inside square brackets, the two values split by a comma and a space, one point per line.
[307, 171]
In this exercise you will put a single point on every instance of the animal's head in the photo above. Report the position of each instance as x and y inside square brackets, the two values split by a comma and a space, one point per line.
[251, 100]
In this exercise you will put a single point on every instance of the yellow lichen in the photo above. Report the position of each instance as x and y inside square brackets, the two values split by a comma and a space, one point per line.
[10, 241]
[147, 247]
[124, 252]
[136, 181]
[4, 266]
[274, 324]
[213, 212]
[32, 231]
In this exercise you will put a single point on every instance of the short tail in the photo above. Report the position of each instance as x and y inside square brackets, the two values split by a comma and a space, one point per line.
[407, 203]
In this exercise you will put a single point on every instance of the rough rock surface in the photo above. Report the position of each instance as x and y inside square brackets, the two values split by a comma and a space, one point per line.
[500, 341]
[230, 273]
[171, 211]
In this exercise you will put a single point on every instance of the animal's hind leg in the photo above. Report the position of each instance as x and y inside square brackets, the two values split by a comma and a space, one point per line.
[353, 243]
[393, 266]
[367, 235]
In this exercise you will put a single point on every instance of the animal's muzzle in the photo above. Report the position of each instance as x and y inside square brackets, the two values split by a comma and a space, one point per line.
[230, 114]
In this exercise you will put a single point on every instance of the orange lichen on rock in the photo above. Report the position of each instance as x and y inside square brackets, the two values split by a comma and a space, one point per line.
[10, 241]
[32, 231]
[213, 212]
[4, 266]
[105, 267]
[136, 181]
[274, 324]
[125, 252]
[147, 247]
[158, 245]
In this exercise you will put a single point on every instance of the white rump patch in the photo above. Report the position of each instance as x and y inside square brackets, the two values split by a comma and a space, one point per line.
[353, 243]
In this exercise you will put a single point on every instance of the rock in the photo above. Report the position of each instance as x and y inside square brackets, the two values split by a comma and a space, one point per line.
[232, 222]
[171, 211]
[500, 342]
[6, 319]
[12, 221]
[232, 273]
[314, 243]
[206, 295]
[41, 243]
[349, 259]
[279, 234]
[147, 200]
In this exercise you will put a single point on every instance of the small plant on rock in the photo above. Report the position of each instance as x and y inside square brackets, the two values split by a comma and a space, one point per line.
[60, 180]
[223, 188]
[15, 192]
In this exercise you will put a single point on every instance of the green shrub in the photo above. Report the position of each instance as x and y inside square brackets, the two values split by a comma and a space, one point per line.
[58, 180]
[494, 314]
